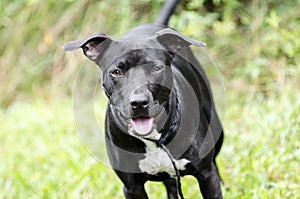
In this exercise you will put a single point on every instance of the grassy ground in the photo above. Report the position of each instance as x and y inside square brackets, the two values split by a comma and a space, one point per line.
[42, 156]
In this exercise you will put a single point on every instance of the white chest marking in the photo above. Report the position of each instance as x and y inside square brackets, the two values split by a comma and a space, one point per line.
[157, 160]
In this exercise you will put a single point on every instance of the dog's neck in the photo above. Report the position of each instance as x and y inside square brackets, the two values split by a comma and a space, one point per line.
[172, 124]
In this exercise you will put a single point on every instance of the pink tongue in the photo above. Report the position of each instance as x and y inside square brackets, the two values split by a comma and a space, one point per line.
[142, 126]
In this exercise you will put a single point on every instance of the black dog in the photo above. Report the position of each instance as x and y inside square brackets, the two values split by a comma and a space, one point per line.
[161, 122]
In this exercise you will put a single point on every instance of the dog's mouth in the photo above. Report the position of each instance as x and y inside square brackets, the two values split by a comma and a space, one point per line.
[142, 126]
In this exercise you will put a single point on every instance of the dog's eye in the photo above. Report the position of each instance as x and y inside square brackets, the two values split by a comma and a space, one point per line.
[116, 73]
[156, 69]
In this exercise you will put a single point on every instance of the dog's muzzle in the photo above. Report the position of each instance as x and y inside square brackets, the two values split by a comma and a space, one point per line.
[141, 117]
[141, 123]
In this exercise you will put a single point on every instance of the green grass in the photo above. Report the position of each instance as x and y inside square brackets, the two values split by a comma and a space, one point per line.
[260, 158]
[43, 157]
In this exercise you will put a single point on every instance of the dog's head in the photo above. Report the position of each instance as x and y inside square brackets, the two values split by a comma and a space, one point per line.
[136, 74]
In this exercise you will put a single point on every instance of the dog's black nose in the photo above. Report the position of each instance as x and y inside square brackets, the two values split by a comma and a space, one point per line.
[139, 101]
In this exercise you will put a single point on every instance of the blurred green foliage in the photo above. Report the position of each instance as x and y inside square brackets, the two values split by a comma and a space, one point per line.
[255, 43]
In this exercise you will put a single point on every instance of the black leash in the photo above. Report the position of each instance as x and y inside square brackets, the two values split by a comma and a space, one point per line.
[175, 169]
[178, 180]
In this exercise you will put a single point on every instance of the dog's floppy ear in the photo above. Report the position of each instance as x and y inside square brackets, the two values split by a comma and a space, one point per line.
[90, 45]
[174, 42]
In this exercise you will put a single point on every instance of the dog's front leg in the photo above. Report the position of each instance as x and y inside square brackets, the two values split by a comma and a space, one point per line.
[171, 188]
[135, 191]
[209, 182]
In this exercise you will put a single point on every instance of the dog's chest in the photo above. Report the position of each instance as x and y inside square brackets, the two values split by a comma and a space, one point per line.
[157, 160]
